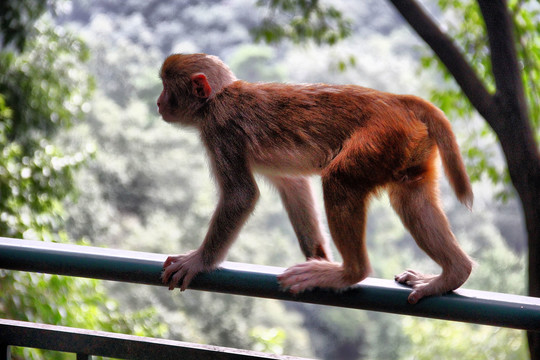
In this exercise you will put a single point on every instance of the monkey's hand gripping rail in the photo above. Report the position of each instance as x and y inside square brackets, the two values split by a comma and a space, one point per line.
[488, 308]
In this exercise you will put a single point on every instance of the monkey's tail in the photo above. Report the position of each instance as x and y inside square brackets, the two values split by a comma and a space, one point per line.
[440, 130]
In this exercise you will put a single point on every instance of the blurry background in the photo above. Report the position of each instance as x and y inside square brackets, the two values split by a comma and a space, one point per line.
[86, 158]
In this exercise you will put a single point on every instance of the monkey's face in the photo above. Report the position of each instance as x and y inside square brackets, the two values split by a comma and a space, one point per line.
[171, 107]
[176, 104]
[166, 104]
[189, 83]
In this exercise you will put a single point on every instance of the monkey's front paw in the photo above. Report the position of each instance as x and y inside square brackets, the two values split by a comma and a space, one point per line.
[182, 269]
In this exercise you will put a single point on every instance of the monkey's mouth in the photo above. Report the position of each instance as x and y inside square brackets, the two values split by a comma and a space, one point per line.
[167, 117]
[163, 114]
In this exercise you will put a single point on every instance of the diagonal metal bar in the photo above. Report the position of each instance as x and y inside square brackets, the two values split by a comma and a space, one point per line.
[122, 346]
[481, 307]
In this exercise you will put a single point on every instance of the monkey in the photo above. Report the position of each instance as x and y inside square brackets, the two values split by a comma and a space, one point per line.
[360, 141]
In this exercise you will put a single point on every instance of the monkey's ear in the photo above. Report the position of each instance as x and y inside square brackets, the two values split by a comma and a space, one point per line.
[201, 87]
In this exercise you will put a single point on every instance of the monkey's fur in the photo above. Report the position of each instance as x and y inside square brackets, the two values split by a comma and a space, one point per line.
[358, 140]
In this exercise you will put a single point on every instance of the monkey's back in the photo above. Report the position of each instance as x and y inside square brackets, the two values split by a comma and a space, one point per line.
[306, 126]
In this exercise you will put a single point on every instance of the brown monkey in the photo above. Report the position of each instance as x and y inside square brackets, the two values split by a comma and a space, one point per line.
[359, 140]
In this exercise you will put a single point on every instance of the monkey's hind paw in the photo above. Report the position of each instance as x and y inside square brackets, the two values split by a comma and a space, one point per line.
[422, 285]
[412, 278]
[311, 274]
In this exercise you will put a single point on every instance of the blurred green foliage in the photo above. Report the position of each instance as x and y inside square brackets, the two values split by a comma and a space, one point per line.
[17, 20]
[463, 22]
[449, 340]
[307, 20]
[44, 89]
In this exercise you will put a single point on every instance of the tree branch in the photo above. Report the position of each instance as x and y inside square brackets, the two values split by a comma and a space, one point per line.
[504, 60]
[449, 54]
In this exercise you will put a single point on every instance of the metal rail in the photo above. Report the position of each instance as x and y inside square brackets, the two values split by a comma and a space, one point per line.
[88, 343]
[481, 307]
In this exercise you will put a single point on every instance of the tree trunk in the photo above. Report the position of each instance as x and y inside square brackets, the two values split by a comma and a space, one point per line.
[525, 174]
[505, 111]
[516, 137]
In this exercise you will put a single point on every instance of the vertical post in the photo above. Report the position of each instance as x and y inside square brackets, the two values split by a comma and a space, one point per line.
[5, 352]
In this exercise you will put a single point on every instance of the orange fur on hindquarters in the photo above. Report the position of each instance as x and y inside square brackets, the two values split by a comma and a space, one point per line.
[359, 140]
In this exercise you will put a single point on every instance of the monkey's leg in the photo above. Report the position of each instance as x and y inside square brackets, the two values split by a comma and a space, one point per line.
[346, 212]
[239, 194]
[347, 183]
[418, 206]
[297, 197]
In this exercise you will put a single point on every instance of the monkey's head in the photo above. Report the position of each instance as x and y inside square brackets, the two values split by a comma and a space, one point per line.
[189, 81]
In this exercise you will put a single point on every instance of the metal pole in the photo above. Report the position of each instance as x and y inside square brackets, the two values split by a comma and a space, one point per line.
[488, 308]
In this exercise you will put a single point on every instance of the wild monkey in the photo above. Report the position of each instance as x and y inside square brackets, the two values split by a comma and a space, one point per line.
[357, 139]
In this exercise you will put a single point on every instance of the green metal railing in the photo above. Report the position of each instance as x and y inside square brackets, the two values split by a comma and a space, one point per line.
[488, 308]
[86, 343]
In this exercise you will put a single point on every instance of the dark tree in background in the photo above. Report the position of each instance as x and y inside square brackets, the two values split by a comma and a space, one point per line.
[505, 110]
